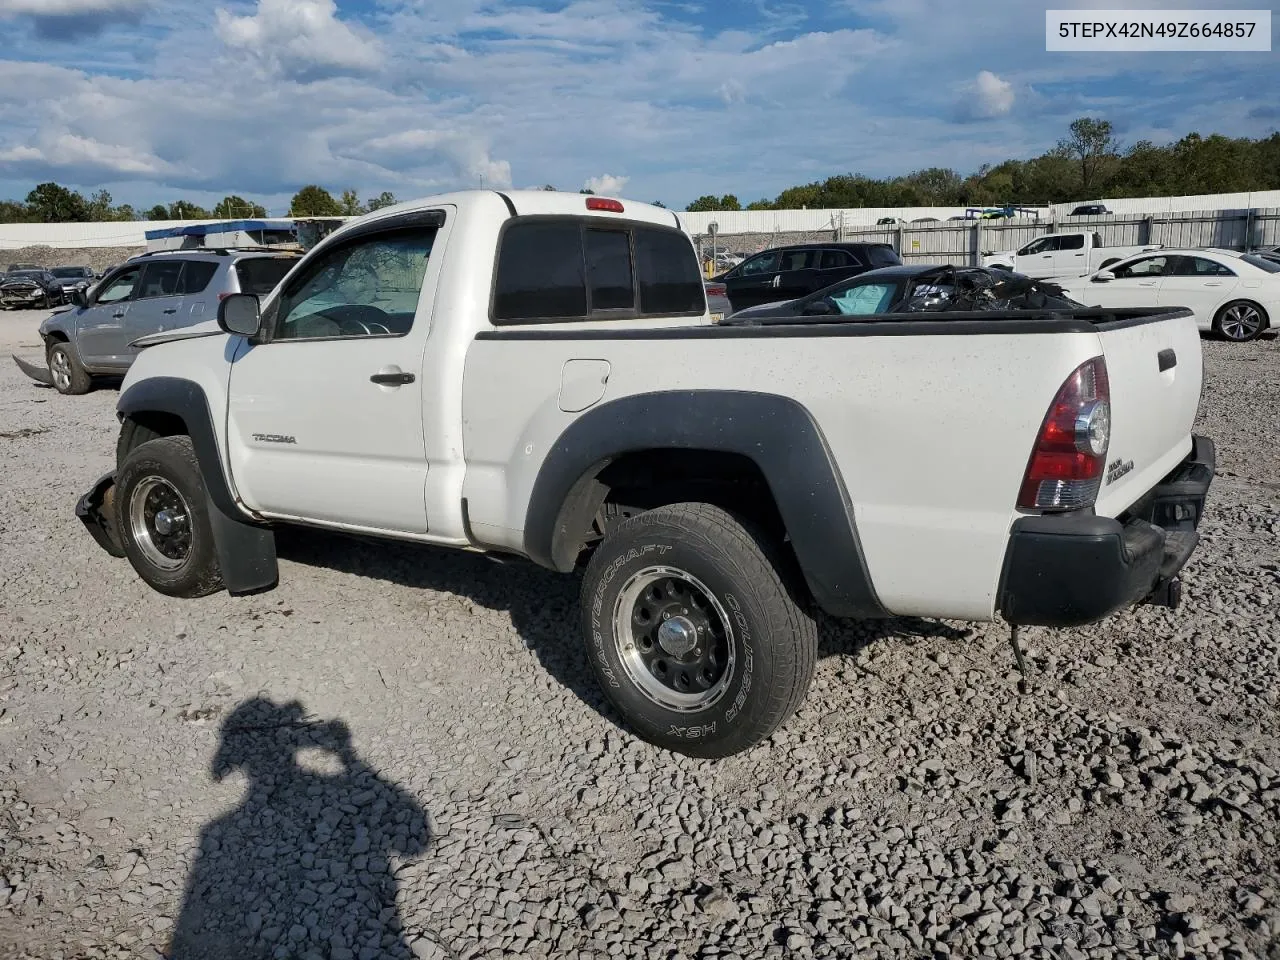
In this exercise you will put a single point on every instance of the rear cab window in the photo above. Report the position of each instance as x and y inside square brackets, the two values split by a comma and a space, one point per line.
[883, 255]
[560, 269]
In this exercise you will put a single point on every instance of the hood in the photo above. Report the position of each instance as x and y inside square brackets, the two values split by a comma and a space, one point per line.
[777, 308]
[209, 328]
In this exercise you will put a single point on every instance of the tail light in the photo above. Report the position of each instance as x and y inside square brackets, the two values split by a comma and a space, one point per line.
[1066, 466]
[604, 203]
[717, 290]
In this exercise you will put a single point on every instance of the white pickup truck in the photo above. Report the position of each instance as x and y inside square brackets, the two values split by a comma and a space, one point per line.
[536, 373]
[1062, 255]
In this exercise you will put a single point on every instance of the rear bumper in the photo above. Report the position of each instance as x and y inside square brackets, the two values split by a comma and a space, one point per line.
[1073, 569]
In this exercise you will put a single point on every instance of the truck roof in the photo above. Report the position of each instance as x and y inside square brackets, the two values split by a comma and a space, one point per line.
[532, 203]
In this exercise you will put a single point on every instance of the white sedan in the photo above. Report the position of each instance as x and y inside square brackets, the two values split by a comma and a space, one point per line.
[1235, 295]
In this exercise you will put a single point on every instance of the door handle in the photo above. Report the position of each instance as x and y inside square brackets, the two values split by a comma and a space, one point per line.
[1214, 283]
[1147, 283]
[172, 310]
[120, 314]
[776, 280]
[395, 379]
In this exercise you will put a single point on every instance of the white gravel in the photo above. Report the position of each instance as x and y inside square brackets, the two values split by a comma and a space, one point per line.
[464, 792]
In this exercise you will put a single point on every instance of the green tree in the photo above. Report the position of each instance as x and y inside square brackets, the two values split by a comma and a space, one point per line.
[760, 205]
[350, 204]
[385, 199]
[314, 201]
[585, 190]
[186, 210]
[125, 212]
[53, 203]
[158, 212]
[232, 207]
[547, 186]
[1093, 146]
[709, 203]
[11, 211]
[659, 203]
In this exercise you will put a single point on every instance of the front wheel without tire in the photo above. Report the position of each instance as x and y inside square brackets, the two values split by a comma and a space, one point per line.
[692, 633]
[163, 518]
[65, 370]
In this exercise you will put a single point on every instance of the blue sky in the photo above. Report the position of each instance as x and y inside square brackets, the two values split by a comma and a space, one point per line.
[650, 99]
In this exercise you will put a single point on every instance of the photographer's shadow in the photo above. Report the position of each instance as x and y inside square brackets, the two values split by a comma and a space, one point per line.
[303, 865]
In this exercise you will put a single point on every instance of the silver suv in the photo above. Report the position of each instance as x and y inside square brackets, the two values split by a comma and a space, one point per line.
[150, 293]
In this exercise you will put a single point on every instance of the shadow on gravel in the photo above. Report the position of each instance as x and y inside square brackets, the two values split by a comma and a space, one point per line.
[543, 605]
[302, 866]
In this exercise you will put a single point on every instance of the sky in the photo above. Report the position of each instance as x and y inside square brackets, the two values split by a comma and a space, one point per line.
[156, 100]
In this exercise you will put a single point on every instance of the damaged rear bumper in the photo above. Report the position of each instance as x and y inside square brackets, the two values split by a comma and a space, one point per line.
[1073, 569]
[95, 510]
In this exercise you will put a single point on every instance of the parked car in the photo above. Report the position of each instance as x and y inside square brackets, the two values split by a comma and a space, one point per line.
[714, 484]
[148, 294]
[784, 273]
[15, 267]
[24, 289]
[73, 278]
[1062, 255]
[717, 300]
[1234, 295]
[1091, 210]
[917, 287]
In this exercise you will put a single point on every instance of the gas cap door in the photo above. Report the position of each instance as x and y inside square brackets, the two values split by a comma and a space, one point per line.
[582, 384]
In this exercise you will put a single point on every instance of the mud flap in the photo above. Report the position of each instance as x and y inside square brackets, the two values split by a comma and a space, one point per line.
[246, 553]
[95, 511]
[40, 374]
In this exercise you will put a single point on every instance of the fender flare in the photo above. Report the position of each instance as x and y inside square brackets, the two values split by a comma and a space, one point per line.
[776, 433]
[246, 550]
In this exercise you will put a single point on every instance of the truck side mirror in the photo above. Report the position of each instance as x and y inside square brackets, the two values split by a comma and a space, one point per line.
[78, 297]
[239, 314]
[1103, 276]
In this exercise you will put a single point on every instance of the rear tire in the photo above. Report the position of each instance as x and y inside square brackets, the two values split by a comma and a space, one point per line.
[163, 518]
[1240, 321]
[692, 633]
[68, 375]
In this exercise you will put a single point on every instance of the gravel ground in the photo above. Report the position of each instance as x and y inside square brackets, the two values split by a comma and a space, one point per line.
[400, 752]
[97, 257]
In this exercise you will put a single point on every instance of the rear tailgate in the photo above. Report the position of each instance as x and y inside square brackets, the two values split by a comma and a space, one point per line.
[1154, 367]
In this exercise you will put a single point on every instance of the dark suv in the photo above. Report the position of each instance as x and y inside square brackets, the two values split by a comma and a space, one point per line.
[147, 294]
[785, 273]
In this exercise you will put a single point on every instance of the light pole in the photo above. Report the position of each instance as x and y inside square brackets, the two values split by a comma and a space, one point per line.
[714, 228]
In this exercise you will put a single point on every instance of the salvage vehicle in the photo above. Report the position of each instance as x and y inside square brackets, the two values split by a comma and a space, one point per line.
[150, 293]
[535, 374]
[1062, 255]
[919, 287]
[24, 289]
[1234, 295]
[73, 278]
[784, 273]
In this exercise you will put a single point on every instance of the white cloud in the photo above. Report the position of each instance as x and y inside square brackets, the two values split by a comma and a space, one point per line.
[84, 157]
[994, 96]
[300, 38]
[410, 151]
[605, 183]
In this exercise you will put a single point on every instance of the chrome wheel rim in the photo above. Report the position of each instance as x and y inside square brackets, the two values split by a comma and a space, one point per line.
[160, 523]
[1241, 321]
[674, 639]
[60, 368]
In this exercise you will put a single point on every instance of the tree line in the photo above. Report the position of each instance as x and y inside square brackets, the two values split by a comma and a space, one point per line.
[1089, 163]
[54, 203]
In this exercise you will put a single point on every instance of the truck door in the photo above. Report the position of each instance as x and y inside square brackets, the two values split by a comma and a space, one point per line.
[1069, 259]
[325, 419]
[1038, 259]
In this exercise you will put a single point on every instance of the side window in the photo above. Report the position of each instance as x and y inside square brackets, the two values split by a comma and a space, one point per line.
[366, 287]
[833, 259]
[1200, 267]
[667, 271]
[160, 279]
[1043, 245]
[197, 276]
[865, 298]
[1146, 267]
[1071, 241]
[120, 288]
[541, 273]
[766, 262]
[798, 260]
[609, 270]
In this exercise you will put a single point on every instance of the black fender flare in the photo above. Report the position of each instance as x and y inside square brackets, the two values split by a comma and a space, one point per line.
[776, 433]
[246, 550]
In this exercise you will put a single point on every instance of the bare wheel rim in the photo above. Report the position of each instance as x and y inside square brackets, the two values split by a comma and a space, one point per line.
[160, 523]
[60, 367]
[1241, 321]
[674, 639]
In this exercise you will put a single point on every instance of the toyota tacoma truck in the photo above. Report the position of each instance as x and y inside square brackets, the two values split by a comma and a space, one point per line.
[536, 374]
[1070, 254]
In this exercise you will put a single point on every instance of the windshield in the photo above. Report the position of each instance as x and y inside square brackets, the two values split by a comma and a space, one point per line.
[883, 256]
[1262, 263]
[65, 273]
[16, 274]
